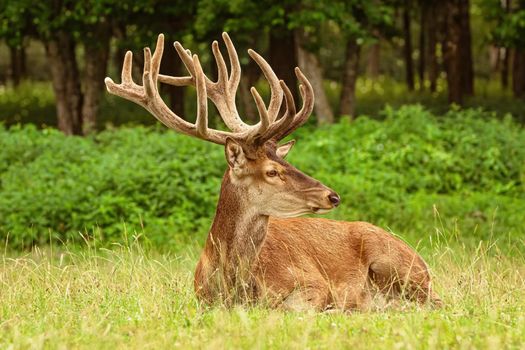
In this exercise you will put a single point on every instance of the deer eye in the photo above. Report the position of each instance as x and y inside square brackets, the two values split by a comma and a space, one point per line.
[272, 173]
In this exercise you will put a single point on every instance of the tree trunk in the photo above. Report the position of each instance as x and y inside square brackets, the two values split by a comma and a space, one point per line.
[433, 65]
[494, 58]
[249, 77]
[18, 64]
[119, 33]
[505, 63]
[374, 59]
[60, 51]
[96, 58]
[505, 60]
[465, 47]
[457, 51]
[422, 44]
[452, 54]
[283, 57]
[407, 48]
[310, 65]
[351, 68]
[518, 74]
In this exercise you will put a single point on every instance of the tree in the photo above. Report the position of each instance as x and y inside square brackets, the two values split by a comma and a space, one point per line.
[423, 33]
[360, 22]
[311, 66]
[457, 50]
[14, 27]
[407, 45]
[508, 31]
[59, 24]
[430, 26]
[308, 21]
[66, 25]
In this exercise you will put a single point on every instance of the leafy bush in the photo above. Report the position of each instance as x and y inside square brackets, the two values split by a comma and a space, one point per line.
[400, 173]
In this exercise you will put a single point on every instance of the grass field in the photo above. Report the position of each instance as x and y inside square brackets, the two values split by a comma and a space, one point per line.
[126, 297]
[452, 186]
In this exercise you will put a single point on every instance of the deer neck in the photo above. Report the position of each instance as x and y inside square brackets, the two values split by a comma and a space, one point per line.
[235, 238]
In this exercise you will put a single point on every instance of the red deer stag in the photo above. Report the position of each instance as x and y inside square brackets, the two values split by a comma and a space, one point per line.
[256, 248]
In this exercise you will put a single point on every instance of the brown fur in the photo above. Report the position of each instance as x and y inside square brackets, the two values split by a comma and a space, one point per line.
[298, 263]
[338, 264]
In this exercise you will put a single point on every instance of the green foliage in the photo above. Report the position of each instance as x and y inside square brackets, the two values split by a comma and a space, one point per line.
[14, 20]
[507, 24]
[357, 19]
[133, 176]
[404, 172]
[400, 173]
[33, 103]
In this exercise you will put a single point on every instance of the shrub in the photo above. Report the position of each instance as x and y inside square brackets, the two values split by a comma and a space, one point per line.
[399, 173]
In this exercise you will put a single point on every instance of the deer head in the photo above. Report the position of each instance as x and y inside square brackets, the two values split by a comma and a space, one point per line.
[257, 169]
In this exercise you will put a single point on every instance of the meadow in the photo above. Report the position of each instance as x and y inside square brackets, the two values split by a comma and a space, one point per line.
[126, 297]
[101, 234]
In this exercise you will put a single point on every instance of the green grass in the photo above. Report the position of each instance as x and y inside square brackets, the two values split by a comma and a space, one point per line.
[126, 297]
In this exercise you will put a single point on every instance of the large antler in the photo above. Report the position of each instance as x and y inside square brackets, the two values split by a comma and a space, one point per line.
[221, 93]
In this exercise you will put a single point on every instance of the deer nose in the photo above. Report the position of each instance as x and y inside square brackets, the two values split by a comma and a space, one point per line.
[334, 199]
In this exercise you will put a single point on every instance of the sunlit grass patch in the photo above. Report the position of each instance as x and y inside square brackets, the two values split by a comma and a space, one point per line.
[128, 297]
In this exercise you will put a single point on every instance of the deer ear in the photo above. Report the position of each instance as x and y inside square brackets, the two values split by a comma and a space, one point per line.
[234, 154]
[283, 150]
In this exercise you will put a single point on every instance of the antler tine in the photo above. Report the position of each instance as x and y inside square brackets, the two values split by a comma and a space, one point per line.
[307, 95]
[285, 120]
[202, 99]
[221, 92]
[157, 57]
[127, 68]
[290, 103]
[185, 56]
[222, 71]
[147, 79]
[261, 108]
[127, 89]
[276, 91]
[148, 96]
[235, 76]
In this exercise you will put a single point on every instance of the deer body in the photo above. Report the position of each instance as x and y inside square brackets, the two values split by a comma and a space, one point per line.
[303, 263]
[257, 248]
[323, 264]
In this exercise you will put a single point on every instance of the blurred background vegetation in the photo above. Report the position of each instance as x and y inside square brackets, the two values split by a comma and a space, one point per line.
[418, 121]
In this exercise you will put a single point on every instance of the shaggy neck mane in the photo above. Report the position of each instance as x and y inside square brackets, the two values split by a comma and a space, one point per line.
[234, 241]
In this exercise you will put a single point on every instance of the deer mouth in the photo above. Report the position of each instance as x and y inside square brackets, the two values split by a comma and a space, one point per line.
[318, 210]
